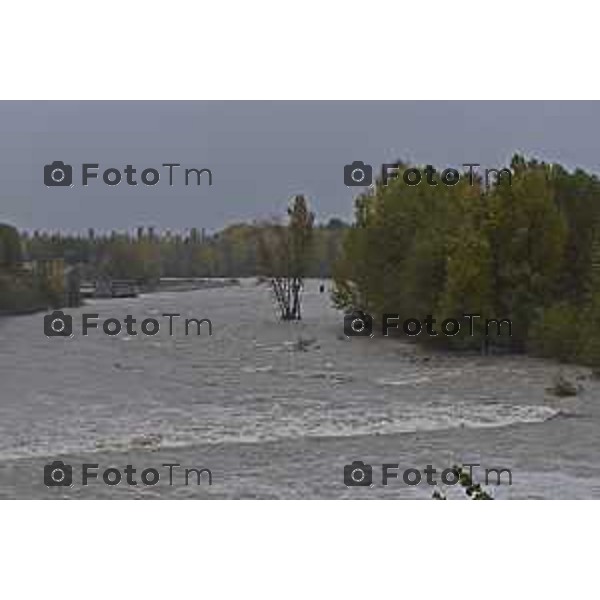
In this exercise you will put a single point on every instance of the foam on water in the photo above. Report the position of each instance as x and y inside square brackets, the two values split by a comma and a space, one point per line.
[281, 423]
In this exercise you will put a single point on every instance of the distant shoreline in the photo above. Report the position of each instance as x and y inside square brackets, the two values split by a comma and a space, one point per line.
[22, 312]
[170, 284]
[188, 284]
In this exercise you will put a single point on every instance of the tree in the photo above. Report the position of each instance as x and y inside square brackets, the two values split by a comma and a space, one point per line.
[500, 253]
[528, 234]
[285, 253]
[10, 247]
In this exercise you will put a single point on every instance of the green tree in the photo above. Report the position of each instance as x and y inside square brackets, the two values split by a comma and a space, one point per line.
[10, 247]
[528, 235]
[285, 253]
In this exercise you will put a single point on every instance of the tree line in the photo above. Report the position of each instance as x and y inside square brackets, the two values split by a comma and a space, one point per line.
[528, 252]
[147, 255]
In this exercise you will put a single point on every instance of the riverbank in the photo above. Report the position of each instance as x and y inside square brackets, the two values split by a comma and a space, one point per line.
[165, 285]
[22, 312]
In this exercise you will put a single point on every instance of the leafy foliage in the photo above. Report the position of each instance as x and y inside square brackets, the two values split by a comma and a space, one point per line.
[528, 252]
[285, 254]
[10, 247]
[231, 252]
[472, 489]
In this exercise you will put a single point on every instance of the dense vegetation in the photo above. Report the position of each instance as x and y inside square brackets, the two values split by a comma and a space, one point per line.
[232, 252]
[529, 252]
[18, 289]
[147, 255]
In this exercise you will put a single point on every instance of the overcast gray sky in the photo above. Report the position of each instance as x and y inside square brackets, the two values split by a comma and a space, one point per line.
[260, 153]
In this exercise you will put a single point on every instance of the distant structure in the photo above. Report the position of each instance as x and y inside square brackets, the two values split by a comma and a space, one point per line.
[105, 287]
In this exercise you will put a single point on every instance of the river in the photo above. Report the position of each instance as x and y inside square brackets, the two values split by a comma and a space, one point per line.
[274, 418]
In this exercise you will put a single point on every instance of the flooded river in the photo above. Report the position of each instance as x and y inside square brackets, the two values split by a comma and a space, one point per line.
[276, 410]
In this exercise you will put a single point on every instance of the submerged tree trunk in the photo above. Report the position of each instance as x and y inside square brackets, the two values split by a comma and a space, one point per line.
[287, 294]
[296, 288]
